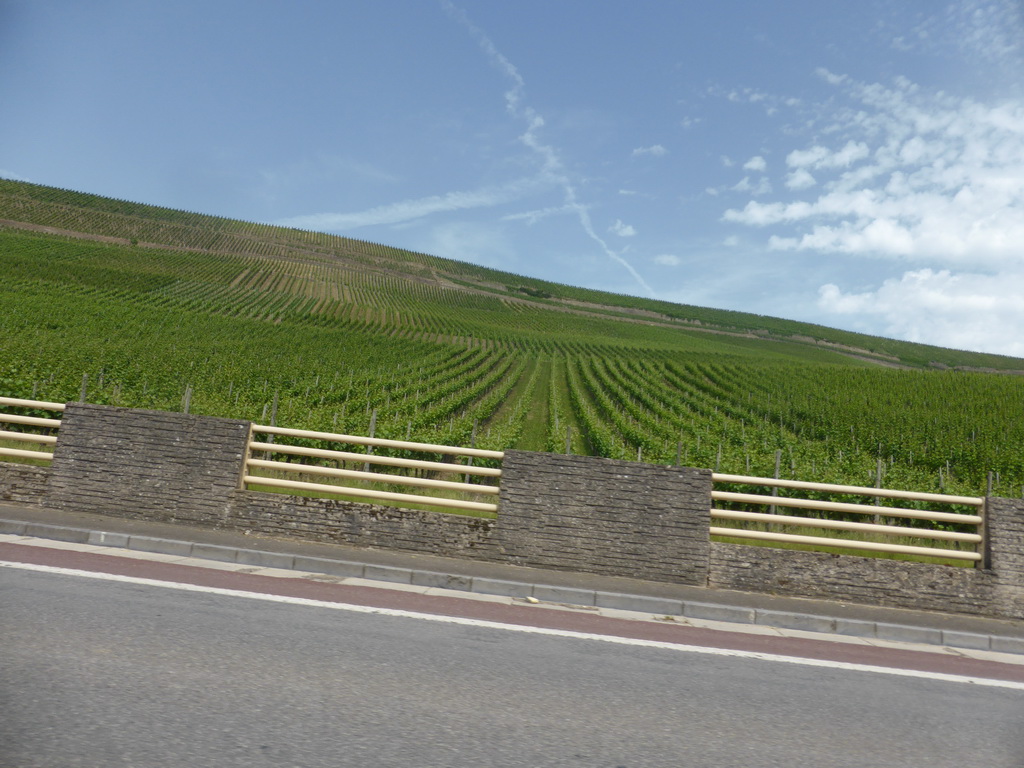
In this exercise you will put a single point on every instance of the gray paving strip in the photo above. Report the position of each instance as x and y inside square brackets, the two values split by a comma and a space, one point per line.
[1009, 642]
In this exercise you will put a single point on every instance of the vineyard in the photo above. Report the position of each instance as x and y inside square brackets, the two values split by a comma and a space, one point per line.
[151, 308]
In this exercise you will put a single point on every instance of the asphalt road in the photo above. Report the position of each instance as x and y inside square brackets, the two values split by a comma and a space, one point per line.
[99, 673]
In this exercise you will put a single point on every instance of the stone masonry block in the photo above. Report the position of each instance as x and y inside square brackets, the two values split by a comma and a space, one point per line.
[152, 464]
[602, 516]
[23, 483]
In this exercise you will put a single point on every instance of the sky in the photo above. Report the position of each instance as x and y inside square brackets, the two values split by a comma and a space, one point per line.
[853, 163]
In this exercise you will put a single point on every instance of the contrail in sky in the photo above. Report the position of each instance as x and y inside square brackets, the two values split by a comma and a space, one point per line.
[552, 168]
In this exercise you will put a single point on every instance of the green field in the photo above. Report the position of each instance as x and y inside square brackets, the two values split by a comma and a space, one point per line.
[143, 303]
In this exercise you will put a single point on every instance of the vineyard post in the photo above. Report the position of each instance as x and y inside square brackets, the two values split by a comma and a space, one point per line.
[568, 440]
[775, 489]
[472, 444]
[85, 384]
[273, 414]
[373, 430]
[186, 400]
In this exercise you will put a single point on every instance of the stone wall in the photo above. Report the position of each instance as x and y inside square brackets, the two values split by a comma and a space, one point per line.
[23, 483]
[564, 512]
[996, 590]
[362, 525]
[1005, 553]
[870, 580]
[595, 515]
[124, 462]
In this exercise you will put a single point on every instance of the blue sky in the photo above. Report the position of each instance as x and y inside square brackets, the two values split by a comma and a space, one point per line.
[855, 164]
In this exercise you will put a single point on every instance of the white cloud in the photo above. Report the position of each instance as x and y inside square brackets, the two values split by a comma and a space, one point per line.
[849, 154]
[668, 260]
[532, 217]
[800, 158]
[821, 157]
[964, 311]
[552, 170]
[800, 179]
[747, 96]
[901, 172]
[622, 230]
[769, 102]
[926, 176]
[472, 242]
[761, 187]
[989, 30]
[407, 210]
[656, 151]
[830, 77]
[756, 163]
[5, 174]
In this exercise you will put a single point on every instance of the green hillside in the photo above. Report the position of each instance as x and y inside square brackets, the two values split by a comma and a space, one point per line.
[144, 303]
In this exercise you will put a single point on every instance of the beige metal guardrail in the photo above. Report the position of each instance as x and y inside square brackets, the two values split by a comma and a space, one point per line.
[452, 490]
[875, 511]
[32, 421]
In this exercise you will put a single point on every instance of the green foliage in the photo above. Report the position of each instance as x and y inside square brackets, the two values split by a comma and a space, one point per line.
[146, 302]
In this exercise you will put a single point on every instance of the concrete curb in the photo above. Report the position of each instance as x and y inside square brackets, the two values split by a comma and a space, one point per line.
[547, 593]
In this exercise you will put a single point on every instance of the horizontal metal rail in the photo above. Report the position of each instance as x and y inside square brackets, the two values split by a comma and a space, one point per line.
[19, 453]
[32, 421]
[371, 458]
[864, 528]
[842, 525]
[478, 506]
[40, 404]
[821, 541]
[28, 437]
[835, 506]
[939, 498]
[381, 442]
[377, 477]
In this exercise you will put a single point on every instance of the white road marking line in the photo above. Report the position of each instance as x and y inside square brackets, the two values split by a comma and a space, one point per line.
[940, 676]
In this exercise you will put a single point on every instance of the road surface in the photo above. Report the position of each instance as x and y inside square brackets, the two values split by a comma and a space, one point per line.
[139, 671]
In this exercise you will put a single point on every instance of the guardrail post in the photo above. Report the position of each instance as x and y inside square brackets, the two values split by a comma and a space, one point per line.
[984, 548]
